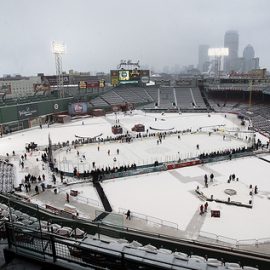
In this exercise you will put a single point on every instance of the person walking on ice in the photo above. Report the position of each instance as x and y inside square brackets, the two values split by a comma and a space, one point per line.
[201, 210]
[205, 180]
[205, 207]
[128, 214]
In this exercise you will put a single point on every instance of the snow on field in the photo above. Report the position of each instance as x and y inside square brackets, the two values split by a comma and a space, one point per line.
[267, 157]
[192, 171]
[102, 125]
[217, 189]
[167, 195]
[179, 122]
[143, 151]
[158, 195]
[250, 170]
[240, 222]
[163, 196]
[149, 151]
[58, 133]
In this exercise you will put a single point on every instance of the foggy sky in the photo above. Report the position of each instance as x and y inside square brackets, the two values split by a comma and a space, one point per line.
[98, 34]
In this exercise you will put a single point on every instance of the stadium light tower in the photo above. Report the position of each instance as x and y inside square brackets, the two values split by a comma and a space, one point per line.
[58, 49]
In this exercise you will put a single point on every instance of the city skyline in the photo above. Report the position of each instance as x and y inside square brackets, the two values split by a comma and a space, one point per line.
[99, 34]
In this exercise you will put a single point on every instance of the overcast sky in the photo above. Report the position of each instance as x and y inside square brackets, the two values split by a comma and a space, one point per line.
[98, 34]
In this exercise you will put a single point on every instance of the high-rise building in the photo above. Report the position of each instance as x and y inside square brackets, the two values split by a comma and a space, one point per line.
[248, 52]
[231, 41]
[250, 62]
[203, 59]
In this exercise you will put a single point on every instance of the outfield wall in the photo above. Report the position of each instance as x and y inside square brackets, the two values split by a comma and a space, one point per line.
[20, 116]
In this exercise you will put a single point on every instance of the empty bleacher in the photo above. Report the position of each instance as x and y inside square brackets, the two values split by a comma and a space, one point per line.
[184, 98]
[129, 94]
[141, 92]
[7, 176]
[167, 98]
[164, 97]
[113, 98]
[152, 92]
[99, 102]
[199, 102]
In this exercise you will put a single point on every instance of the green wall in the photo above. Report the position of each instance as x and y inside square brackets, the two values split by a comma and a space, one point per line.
[10, 113]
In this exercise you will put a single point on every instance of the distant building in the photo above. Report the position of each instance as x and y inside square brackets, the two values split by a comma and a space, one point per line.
[203, 59]
[250, 62]
[231, 41]
[18, 86]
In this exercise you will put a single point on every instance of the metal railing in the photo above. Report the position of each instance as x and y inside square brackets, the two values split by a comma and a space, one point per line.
[150, 219]
[227, 241]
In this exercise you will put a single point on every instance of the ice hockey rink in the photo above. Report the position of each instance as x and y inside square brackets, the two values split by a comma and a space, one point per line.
[166, 197]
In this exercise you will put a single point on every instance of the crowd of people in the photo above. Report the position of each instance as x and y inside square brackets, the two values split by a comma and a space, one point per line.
[228, 152]
[98, 174]
[122, 138]
[30, 180]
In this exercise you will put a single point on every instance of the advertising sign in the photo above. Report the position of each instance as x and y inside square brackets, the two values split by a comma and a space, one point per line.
[145, 79]
[26, 111]
[183, 83]
[89, 84]
[78, 108]
[145, 73]
[114, 81]
[102, 83]
[124, 75]
[82, 85]
[5, 88]
[52, 80]
[131, 76]
[163, 82]
[135, 75]
[92, 84]
[38, 87]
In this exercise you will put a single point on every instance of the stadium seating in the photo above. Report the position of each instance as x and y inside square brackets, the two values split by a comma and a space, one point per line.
[99, 102]
[199, 102]
[7, 177]
[152, 92]
[184, 98]
[113, 98]
[129, 95]
[167, 99]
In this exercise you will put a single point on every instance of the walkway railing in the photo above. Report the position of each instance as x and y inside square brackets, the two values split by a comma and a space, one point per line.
[81, 199]
[225, 241]
[87, 200]
[150, 219]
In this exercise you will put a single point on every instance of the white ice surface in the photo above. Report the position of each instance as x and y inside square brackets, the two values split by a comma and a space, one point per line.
[163, 195]
[158, 195]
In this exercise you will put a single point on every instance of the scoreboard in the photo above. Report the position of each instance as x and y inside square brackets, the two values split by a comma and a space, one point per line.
[128, 76]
